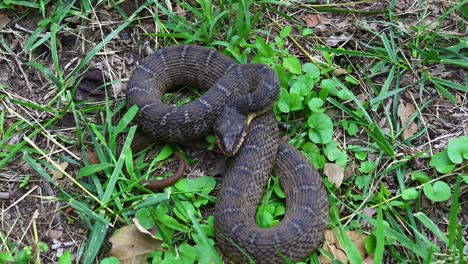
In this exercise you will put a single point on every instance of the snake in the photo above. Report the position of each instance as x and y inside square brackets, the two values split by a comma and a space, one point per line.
[237, 106]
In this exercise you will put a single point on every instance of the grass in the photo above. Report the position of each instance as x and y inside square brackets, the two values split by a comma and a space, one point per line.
[401, 199]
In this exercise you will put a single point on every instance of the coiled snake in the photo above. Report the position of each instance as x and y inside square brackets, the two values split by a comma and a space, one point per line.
[234, 92]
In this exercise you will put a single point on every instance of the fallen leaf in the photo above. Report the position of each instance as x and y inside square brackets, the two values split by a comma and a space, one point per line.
[405, 111]
[330, 245]
[4, 20]
[54, 234]
[179, 11]
[56, 174]
[141, 228]
[312, 20]
[334, 173]
[333, 246]
[129, 245]
[338, 72]
[91, 85]
[358, 241]
[333, 41]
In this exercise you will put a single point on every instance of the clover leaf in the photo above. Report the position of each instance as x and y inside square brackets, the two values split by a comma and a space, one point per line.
[315, 104]
[441, 162]
[311, 70]
[437, 192]
[321, 128]
[420, 176]
[458, 149]
[300, 88]
[289, 102]
[410, 194]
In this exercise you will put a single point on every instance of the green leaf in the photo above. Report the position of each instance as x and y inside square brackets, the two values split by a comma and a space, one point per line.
[263, 48]
[165, 153]
[410, 194]
[284, 33]
[420, 176]
[315, 105]
[307, 32]
[144, 218]
[329, 85]
[350, 127]
[109, 260]
[363, 181]
[90, 169]
[277, 188]
[187, 254]
[367, 167]
[65, 258]
[458, 149]
[292, 64]
[437, 192]
[311, 70]
[335, 154]
[312, 152]
[289, 102]
[432, 226]
[320, 128]
[441, 162]
[300, 88]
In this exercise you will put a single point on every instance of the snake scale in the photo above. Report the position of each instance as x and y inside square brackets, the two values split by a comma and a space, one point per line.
[233, 92]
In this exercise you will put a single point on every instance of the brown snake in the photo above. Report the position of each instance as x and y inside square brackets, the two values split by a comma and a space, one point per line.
[234, 91]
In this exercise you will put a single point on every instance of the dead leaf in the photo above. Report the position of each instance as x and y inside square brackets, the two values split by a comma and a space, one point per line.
[338, 72]
[333, 41]
[312, 20]
[179, 11]
[334, 173]
[91, 85]
[56, 174]
[54, 234]
[333, 246]
[129, 245]
[141, 228]
[4, 20]
[405, 111]
[358, 241]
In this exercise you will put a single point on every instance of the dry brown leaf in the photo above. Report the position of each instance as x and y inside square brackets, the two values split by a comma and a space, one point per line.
[56, 175]
[179, 11]
[334, 173]
[333, 246]
[4, 20]
[338, 72]
[358, 241]
[405, 111]
[141, 228]
[129, 245]
[312, 20]
[54, 234]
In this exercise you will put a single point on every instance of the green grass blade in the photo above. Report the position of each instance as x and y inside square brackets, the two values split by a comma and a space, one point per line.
[118, 168]
[427, 222]
[379, 235]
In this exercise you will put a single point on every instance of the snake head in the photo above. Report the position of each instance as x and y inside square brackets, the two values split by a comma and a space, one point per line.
[230, 129]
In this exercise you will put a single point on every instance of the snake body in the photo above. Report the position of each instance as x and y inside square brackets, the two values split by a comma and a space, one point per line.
[246, 89]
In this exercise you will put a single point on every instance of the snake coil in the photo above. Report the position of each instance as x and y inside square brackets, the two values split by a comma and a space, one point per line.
[232, 92]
